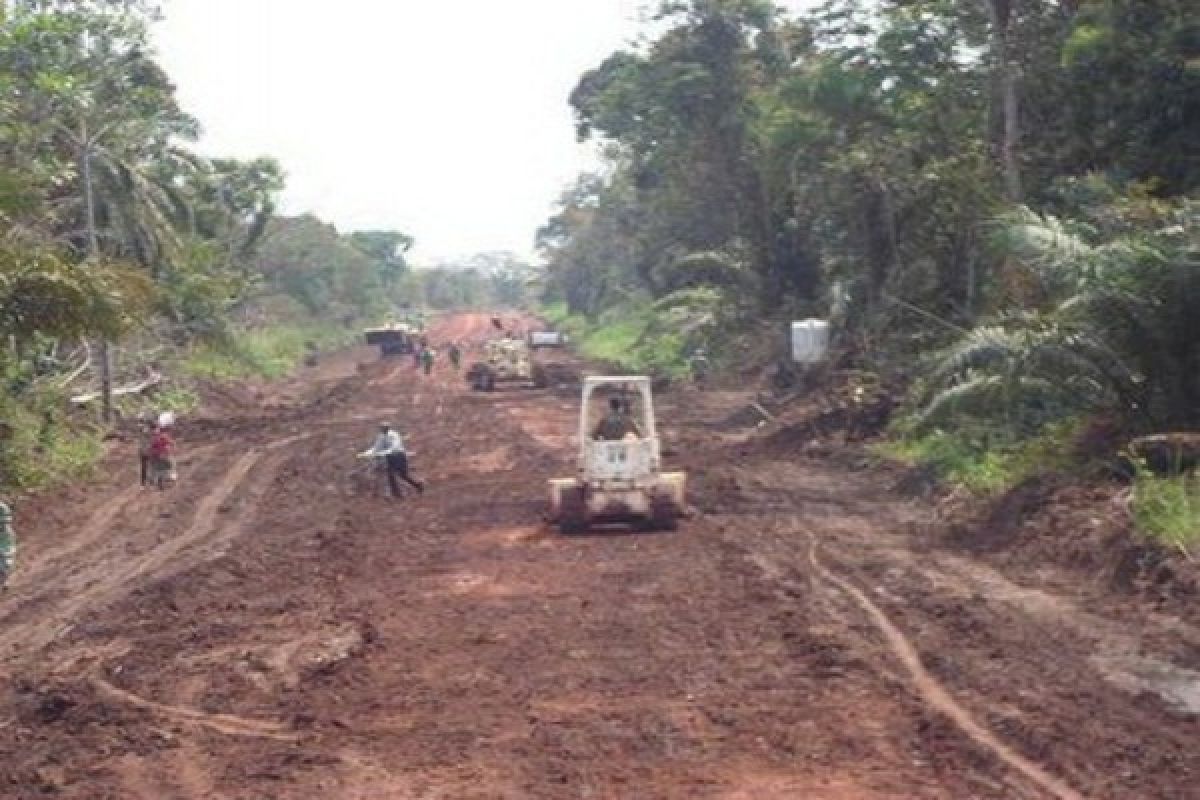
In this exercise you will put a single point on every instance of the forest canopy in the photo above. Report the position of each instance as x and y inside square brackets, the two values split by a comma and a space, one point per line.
[999, 193]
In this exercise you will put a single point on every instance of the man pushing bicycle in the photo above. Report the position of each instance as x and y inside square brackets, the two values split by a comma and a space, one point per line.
[389, 446]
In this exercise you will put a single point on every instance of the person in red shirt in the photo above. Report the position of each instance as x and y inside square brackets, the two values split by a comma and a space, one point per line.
[162, 451]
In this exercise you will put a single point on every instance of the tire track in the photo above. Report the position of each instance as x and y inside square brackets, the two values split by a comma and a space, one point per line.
[228, 724]
[93, 530]
[105, 582]
[932, 692]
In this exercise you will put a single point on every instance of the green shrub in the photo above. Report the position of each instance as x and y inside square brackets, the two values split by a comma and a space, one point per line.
[265, 353]
[1168, 508]
[636, 337]
[1118, 333]
[40, 445]
[988, 461]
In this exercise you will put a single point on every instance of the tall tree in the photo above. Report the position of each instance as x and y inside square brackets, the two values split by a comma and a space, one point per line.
[103, 120]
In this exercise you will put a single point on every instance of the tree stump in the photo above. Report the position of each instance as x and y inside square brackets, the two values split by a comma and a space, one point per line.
[1168, 453]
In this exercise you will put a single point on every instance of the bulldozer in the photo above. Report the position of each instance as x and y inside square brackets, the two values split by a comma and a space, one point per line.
[506, 360]
[619, 480]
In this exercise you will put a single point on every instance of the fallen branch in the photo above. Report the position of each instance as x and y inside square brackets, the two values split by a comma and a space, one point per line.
[123, 391]
[766, 415]
[87, 363]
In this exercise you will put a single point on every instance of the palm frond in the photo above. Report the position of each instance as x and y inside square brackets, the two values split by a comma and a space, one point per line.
[708, 268]
[981, 348]
[1041, 239]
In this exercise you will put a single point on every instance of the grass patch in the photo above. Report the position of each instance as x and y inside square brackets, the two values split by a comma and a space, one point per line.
[987, 462]
[633, 337]
[1168, 508]
[264, 353]
[40, 446]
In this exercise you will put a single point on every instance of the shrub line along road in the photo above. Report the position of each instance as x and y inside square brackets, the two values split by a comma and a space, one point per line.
[262, 632]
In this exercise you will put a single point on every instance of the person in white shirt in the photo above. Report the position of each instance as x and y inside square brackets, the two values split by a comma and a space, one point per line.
[389, 446]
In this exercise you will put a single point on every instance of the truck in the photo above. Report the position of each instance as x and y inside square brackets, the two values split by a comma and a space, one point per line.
[393, 339]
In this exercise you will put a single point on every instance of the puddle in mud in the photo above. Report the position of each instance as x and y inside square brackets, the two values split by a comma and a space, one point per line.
[1178, 687]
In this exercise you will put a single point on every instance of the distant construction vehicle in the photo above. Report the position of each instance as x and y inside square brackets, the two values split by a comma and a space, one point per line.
[620, 477]
[394, 339]
[506, 360]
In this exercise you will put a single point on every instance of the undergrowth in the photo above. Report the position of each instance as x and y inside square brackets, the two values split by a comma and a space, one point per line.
[633, 337]
[1167, 508]
[265, 353]
[39, 445]
[986, 461]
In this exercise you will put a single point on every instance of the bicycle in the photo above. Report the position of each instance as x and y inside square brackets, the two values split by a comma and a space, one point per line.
[367, 476]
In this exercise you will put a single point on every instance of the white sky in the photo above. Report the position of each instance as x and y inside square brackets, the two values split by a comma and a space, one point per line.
[445, 119]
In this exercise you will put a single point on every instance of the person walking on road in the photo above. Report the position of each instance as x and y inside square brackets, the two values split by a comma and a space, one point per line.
[455, 354]
[427, 357]
[8, 544]
[162, 457]
[389, 446]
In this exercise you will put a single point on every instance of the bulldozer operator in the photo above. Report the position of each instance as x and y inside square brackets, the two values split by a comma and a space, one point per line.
[617, 424]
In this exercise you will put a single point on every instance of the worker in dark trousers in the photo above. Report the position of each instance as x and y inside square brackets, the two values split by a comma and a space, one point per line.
[390, 447]
[8, 545]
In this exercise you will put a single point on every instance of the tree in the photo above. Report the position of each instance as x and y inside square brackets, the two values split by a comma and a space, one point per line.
[104, 120]
[331, 274]
[1133, 90]
[387, 249]
[682, 113]
[1119, 334]
[44, 295]
[1000, 16]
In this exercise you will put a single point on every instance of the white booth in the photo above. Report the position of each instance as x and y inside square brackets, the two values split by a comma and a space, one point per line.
[810, 341]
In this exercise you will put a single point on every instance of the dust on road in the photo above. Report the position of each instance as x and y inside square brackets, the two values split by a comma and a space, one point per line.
[262, 633]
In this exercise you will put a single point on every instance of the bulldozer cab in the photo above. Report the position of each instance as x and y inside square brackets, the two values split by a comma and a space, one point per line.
[619, 441]
[616, 414]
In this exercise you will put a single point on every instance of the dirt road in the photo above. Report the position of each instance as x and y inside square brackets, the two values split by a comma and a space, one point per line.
[262, 631]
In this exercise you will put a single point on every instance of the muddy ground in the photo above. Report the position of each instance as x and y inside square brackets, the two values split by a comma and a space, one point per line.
[270, 630]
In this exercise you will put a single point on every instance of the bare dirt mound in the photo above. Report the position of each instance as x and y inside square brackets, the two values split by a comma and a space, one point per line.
[1085, 529]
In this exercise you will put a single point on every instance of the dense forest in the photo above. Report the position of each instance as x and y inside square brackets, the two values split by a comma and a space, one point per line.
[994, 199]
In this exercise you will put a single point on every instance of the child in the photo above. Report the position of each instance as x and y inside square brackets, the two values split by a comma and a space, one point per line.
[162, 449]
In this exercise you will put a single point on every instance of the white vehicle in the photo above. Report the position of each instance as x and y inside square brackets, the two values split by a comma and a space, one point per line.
[539, 339]
[619, 480]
